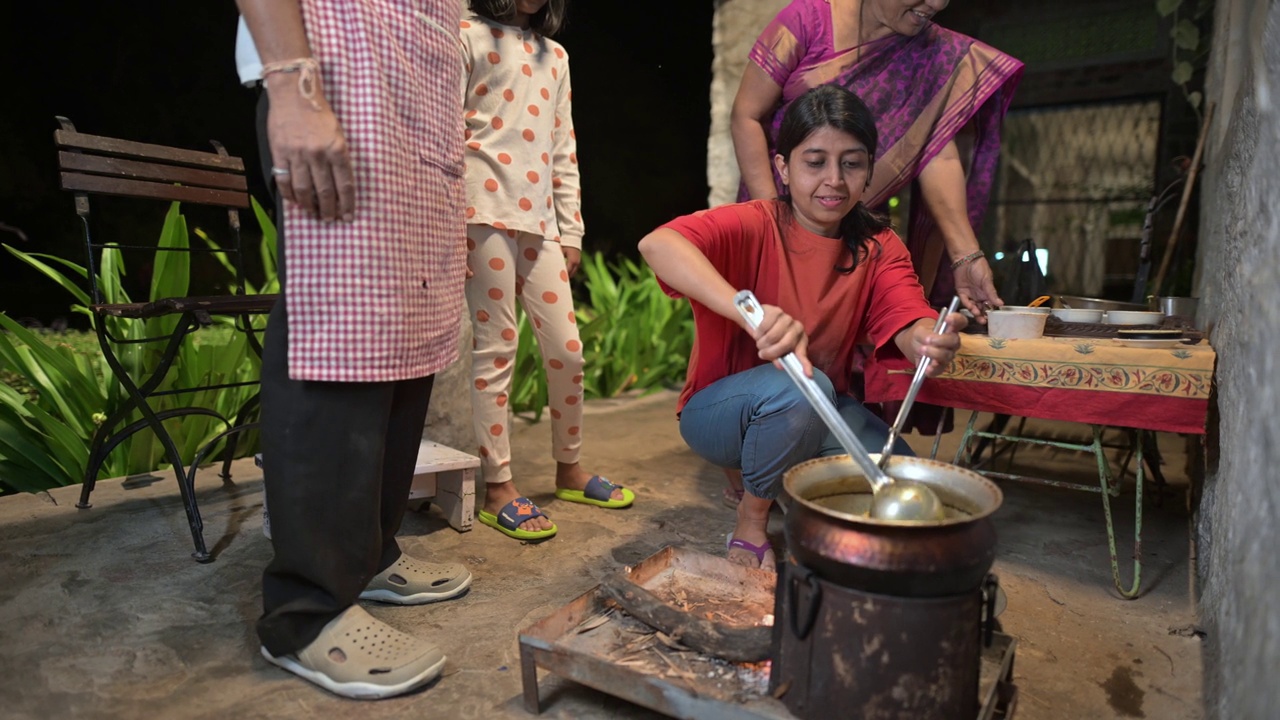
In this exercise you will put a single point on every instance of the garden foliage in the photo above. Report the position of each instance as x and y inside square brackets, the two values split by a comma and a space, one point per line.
[634, 337]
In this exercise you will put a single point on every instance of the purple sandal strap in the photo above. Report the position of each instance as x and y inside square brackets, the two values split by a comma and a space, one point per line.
[757, 550]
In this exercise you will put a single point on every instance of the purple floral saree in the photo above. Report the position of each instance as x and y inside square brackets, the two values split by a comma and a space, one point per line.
[924, 92]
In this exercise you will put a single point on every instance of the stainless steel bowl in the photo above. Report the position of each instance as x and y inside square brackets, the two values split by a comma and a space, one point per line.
[1076, 302]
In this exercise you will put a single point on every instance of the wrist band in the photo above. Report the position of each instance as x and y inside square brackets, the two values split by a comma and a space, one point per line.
[975, 255]
[307, 69]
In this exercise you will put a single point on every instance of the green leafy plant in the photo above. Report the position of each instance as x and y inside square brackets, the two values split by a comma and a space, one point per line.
[634, 334]
[44, 432]
[634, 337]
[1190, 47]
[47, 422]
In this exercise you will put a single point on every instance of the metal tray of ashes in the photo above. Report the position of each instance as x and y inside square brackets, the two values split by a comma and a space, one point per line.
[594, 642]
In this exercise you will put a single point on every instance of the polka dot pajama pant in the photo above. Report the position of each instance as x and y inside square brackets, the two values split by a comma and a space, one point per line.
[507, 265]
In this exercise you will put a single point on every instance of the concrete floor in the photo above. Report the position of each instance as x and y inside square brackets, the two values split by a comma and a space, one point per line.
[103, 614]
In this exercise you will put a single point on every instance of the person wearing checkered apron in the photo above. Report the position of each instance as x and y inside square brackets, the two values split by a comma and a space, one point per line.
[360, 126]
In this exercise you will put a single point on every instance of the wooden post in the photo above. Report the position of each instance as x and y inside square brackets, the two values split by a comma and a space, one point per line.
[1186, 199]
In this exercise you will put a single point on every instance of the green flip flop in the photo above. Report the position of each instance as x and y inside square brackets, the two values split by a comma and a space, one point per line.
[599, 492]
[508, 520]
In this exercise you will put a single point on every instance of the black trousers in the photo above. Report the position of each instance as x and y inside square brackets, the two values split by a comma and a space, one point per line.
[338, 463]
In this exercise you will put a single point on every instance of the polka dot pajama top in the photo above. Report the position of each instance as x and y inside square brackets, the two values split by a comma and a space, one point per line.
[522, 162]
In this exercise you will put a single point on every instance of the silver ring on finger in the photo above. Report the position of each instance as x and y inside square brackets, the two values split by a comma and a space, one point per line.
[279, 171]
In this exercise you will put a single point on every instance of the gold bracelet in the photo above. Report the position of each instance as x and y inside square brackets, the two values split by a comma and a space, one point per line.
[971, 257]
[307, 69]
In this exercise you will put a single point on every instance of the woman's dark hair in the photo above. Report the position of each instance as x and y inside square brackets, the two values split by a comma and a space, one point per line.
[546, 22]
[834, 107]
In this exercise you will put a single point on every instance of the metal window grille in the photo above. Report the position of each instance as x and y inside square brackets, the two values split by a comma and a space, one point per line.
[1077, 179]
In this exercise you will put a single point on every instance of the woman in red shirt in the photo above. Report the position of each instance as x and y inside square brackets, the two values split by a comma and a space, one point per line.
[829, 274]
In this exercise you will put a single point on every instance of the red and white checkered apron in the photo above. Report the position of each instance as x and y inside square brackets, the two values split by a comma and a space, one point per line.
[380, 299]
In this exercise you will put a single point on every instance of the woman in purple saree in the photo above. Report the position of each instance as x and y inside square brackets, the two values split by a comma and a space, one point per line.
[939, 98]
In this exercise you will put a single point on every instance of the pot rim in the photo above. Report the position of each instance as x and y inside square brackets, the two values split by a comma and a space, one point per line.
[983, 485]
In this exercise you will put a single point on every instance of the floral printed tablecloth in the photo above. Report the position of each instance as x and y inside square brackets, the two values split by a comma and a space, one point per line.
[1089, 380]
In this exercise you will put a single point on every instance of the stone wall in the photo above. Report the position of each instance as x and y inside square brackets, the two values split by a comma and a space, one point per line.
[1239, 566]
[449, 417]
[736, 25]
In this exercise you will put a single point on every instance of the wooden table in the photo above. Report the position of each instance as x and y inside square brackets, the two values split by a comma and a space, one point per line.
[1096, 381]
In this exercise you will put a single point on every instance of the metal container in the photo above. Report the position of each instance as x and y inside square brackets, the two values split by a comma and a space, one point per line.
[827, 532]
[1088, 303]
[845, 653]
[876, 619]
[1078, 315]
[1016, 325]
[1178, 306]
[1133, 317]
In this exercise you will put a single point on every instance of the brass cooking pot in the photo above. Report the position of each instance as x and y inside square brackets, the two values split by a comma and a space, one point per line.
[827, 534]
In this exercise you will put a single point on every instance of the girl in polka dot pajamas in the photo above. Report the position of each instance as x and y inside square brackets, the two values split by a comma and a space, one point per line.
[524, 239]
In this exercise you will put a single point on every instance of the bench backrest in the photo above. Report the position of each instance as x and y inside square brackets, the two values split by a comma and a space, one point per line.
[108, 166]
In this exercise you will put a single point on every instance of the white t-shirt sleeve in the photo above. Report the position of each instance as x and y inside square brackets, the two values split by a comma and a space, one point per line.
[248, 64]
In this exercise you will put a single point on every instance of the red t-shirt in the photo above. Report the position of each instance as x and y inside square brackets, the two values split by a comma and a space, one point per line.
[797, 274]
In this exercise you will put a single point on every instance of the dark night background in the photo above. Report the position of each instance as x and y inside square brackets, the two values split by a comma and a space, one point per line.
[164, 72]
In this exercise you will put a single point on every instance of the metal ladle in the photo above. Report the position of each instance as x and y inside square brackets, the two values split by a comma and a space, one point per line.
[894, 500]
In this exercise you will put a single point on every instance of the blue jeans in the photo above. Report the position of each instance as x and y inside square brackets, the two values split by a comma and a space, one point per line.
[759, 422]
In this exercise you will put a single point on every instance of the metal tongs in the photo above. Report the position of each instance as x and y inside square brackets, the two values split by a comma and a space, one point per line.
[916, 381]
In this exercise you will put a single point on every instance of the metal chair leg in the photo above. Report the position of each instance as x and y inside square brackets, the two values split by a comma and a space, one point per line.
[1149, 444]
[93, 465]
[997, 425]
[229, 435]
[1131, 437]
[106, 437]
[248, 409]
[937, 433]
[964, 455]
[1104, 480]
[1107, 486]
[138, 396]
[1013, 447]
[187, 491]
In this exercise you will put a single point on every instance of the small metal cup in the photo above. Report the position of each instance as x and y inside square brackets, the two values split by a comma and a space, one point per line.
[1178, 306]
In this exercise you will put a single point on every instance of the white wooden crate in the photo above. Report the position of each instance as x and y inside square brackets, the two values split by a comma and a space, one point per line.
[447, 477]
